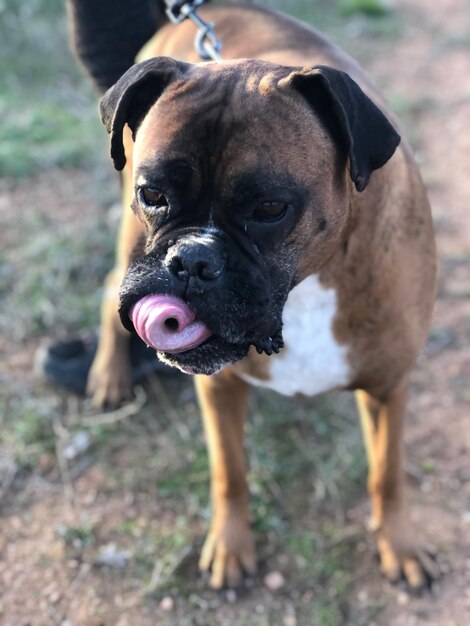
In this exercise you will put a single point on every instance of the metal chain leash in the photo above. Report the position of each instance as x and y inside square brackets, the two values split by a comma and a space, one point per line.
[207, 44]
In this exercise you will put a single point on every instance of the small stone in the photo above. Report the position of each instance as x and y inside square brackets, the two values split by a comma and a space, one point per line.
[363, 596]
[403, 599]
[274, 581]
[112, 557]
[290, 620]
[54, 597]
[78, 445]
[167, 604]
[49, 588]
[231, 596]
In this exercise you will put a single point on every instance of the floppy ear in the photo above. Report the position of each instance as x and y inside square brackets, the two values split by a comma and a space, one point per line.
[128, 101]
[355, 122]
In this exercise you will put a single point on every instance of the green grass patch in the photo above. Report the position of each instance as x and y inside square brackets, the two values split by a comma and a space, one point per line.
[410, 111]
[428, 466]
[320, 14]
[161, 555]
[55, 279]
[48, 110]
[372, 8]
[191, 480]
[41, 135]
[25, 429]
[77, 538]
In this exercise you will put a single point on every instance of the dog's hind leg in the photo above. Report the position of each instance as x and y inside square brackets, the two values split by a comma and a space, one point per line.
[229, 549]
[398, 543]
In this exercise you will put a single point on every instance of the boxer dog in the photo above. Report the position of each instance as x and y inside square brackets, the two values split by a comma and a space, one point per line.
[270, 201]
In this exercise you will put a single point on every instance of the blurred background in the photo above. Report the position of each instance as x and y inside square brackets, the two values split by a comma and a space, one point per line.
[102, 516]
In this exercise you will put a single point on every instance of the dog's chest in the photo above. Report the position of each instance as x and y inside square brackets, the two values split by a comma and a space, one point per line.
[311, 361]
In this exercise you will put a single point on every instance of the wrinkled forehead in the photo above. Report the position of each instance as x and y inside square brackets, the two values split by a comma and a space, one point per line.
[238, 116]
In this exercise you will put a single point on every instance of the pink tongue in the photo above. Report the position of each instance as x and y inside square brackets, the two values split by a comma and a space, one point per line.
[167, 324]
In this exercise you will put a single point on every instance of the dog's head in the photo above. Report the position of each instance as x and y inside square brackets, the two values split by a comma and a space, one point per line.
[241, 169]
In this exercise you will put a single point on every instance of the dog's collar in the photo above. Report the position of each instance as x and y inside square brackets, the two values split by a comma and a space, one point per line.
[207, 44]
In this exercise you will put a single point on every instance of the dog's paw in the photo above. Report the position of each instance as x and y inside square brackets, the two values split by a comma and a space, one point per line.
[110, 382]
[402, 558]
[228, 553]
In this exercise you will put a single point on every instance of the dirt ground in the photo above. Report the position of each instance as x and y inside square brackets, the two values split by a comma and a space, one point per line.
[68, 532]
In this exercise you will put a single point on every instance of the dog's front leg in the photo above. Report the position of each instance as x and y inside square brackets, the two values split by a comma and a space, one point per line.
[399, 545]
[229, 549]
[110, 377]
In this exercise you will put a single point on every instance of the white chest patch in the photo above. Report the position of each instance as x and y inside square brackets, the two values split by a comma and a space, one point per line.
[311, 361]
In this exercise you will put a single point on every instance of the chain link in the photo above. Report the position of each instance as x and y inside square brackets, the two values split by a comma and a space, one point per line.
[207, 44]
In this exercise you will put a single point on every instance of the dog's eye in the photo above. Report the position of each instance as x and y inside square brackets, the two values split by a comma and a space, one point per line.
[153, 197]
[270, 211]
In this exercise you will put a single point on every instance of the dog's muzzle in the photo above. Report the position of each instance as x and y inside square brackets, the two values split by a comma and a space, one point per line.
[166, 322]
[200, 301]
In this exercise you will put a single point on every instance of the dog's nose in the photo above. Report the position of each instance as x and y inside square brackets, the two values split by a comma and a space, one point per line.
[196, 259]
